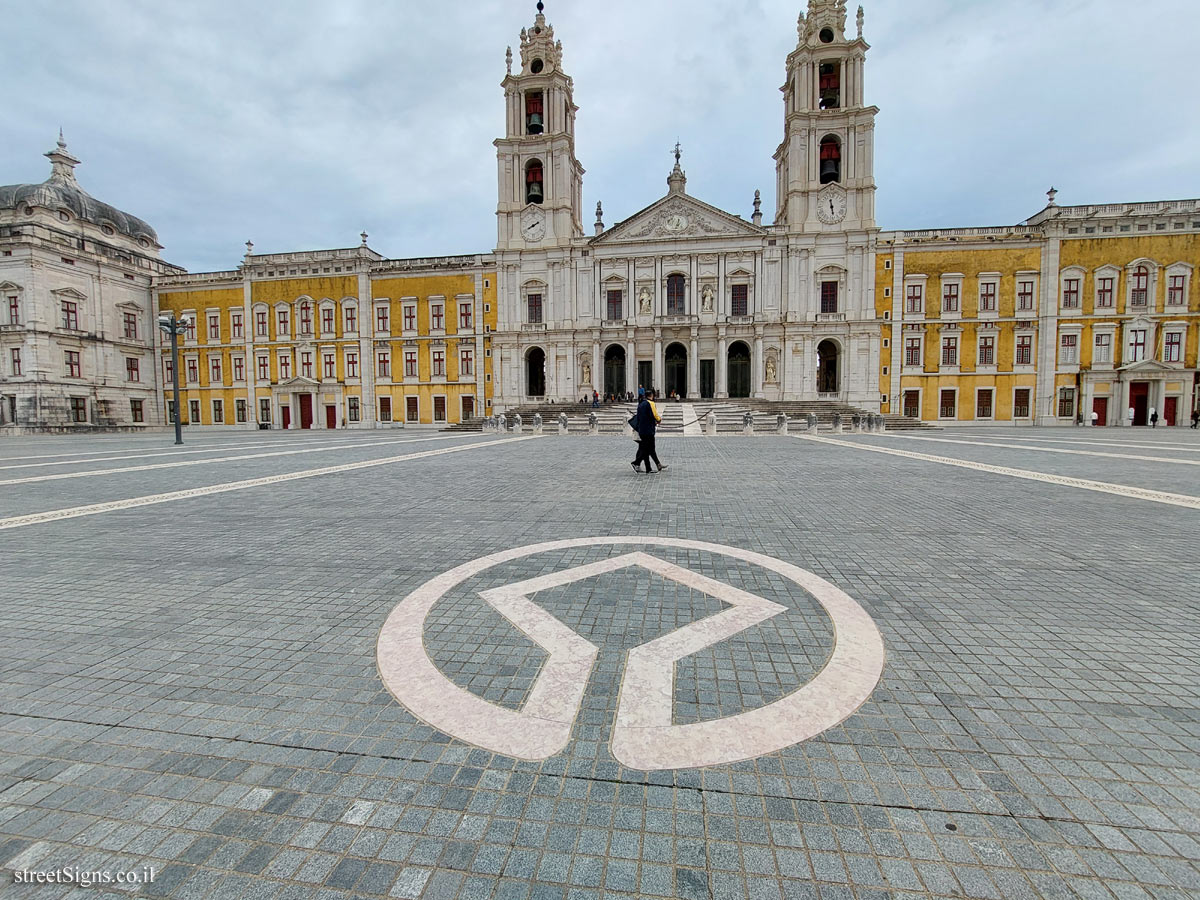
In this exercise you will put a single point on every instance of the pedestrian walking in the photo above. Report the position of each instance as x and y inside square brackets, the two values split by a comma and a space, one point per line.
[645, 424]
[1196, 418]
[1153, 417]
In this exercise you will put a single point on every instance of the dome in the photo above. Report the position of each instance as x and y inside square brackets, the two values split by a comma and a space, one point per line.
[62, 191]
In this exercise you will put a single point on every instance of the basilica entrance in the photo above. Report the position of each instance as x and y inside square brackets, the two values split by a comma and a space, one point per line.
[675, 363]
[645, 372]
[738, 370]
[614, 370]
[827, 368]
[1139, 400]
[535, 372]
[708, 378]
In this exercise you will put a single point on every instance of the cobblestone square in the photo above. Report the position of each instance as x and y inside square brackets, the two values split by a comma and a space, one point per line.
[190, 676]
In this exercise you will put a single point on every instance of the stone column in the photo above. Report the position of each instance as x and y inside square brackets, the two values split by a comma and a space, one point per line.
[597, 367]
[631, 367]
[722, 386]
[756, 376]
[658, 360]
[694, 366]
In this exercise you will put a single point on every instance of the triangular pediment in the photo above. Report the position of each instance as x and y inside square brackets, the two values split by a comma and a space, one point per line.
[299, 382]
[1147, 367]
[678, 216]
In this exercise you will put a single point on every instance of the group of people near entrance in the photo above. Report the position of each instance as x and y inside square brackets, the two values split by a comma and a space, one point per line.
[644, 423]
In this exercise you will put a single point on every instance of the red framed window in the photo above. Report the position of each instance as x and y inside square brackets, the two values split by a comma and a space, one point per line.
[306, 364]
[193, 371]
[614, 305]
[327, 320]
[1024, 350]
[136, 413]
[437, 318]
[79, 409]
[351, 365]
[949, 351]
[306, 318]
[915, 299]
[439, 409]
[352, 409]
[329, 365]
[129, 321]
[1104, 292]
[1173, 347]
[1137, 345]
[71, 358]
[214, 327]
[466, 360]
[218, 408]
[285, 366]
[987, 296]
[282, 323]
[1025, 295]
[132, 369]
[675, 295]
[264, 368]
[239, 368]
[1175, 284]
[14, 310]
[410, 318]
[70, 315]
[912, 351]
[983, 403]
[383, 319]
[235, 324]
[260, 323]
[739, 300]
[439, 362]
[950, 298]
[168, 371]
[464, 315]
[351, 317]
[1103, 349]
[1021, 403]
[383, 364]
[190, 329]
[214, 370]
[1071, 293]
[1139, 293]
[1068, 350]
[987, 350]
[412, 409]
[239, 410]
[948, 404]
[912, 404]
[385, 409]
[535, 309]
[15, 356]
[410, 363]
[1066, 403]
[829, 296]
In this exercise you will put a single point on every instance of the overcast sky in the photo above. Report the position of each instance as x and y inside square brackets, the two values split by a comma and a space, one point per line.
[299, 124]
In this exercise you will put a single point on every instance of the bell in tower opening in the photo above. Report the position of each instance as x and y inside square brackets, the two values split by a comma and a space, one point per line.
[533, 181]
[533, 112]
[830, 85]
[831, 159]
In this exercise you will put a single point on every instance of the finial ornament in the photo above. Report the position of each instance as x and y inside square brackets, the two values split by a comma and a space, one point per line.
[800, 25]
[540, 7]
[249, 247]
[62, 142]
[363, 235]
[859, 20]
[508, 60]
[677, 153]
[1050, 195]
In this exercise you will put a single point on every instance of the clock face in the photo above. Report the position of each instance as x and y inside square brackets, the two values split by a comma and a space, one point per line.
[831, 206]
[533, 225]
[675, 222]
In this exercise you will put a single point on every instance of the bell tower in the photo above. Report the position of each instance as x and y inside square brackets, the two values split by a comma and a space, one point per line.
[540, 180]
[825, 167]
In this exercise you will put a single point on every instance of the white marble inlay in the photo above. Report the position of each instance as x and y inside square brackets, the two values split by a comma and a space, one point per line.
[643, 734]
[691, 420]
[1011, 446]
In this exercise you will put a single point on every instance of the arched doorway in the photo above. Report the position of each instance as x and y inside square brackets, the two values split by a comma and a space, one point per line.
[738, 370]
[535, 372]
[614, 369]
[827, 368]
[675, 360]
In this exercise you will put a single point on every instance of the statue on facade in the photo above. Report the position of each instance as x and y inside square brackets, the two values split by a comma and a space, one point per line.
[587, 373]
[644, 301]
[772, 373]
[706, 299]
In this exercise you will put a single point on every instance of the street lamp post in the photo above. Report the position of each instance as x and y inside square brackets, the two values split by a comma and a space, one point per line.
[175, 327]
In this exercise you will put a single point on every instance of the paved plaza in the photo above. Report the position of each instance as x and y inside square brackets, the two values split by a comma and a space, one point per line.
[408, 664]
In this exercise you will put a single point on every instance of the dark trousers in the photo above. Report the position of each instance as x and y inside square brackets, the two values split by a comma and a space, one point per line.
[646, 452]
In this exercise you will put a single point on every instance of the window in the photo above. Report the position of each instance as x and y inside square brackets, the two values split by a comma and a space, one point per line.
[168, 371]
[987, 350]
[983, 403]
[329, 365]
[383, 364]
[1024, 354]
[1070, 298]
[410, 318]
[1021, 403]
[193, 370]
[194, 412]
[1025, 295]
[1175, 289]
[739, 300]
[410, 363]
[987, 296]
[79, 409]
[439, 409]
[614, 305]
[1068, 350]
[71, 359]
[136, 412]
[1173, 347]
[950, 298]
[235, 324]
[912, 351]
[239, 368]
[70, 315]
[239, 411]
[306, 364]
[831, 159]
[285, 366]
[264, 368]
[1137, 345]
[464, 315]
[915, 303]
[1066, 403]
[282, 324]
[214, 327]
[535, 308]
[351, 364]
[264, 410]
[385, 409]
[533, 181]
[260, 323]
[306, 318]
[132, 369]
[130, 324]
[829, 296]
[675, 295]
[327, 320]
[412, 409]
[14, 310]
[352, 410]
[947, 404]
[1104, 292]
[218, 407]
[189, 325]
[437, 319]
[350, 315]
[439, 362]
[1139, 286]
[15, 357]
[950, 351]
[466, 360]
[214, 370]
[912, 404]
[1103, 349]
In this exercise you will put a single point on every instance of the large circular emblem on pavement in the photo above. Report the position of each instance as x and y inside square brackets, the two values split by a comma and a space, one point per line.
[644, 735]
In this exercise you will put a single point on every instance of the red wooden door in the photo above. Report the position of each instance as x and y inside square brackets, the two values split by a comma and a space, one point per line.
[306, 411]
[1100, 408]
[1170, 409]
[468, 408]
[285, 413]
[331, 417]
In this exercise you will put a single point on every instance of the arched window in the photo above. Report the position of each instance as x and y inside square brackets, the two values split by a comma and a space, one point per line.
[534, 113]
[675, 294]
[831, 159]
[533, 181]
[829, 74]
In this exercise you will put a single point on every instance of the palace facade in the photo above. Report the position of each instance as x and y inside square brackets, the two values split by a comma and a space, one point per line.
[1079, 313]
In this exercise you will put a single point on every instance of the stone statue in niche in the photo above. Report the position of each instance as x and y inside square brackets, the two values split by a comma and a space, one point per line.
[706, 299]
[644, 301]
[587, 374]
[772, 372]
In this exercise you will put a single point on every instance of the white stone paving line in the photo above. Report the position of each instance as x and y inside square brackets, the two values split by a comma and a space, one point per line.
[152, 451]
[1184, 448]
[325, 448]
[114, 505]
[691, 420]
[643, 735]
[1121, 490]
[1007, 446]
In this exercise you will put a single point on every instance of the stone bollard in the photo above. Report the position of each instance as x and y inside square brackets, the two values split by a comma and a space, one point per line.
[537, 423]
[856, 423]
[837, 423]
[748, 423]
[781, 424]
[880, 423]
[517, 425]
[502, 422]
[593, 424]
[562, 423]
[711, 421]
[812, 421]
